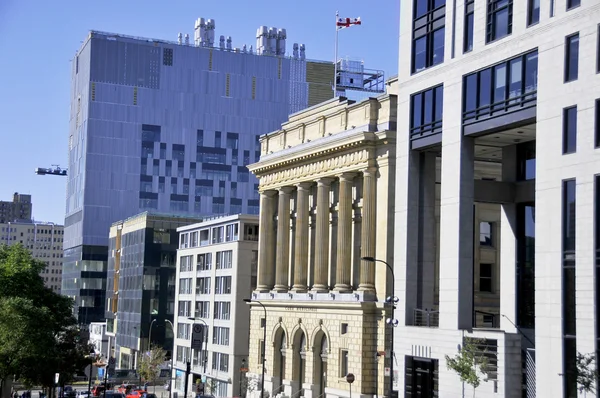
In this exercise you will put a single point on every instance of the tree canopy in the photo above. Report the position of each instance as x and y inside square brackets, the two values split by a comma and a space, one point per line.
[150, 362]
[38, 333]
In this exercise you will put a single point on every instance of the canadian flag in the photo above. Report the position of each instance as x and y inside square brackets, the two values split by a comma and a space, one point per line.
[342, 23]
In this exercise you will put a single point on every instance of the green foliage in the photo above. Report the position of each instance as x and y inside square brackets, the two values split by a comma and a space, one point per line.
[469, 364]
[149, 365]
[38, 333]
[587, 374]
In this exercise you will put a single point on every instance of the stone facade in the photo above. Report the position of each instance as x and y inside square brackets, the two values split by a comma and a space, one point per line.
[329, 170]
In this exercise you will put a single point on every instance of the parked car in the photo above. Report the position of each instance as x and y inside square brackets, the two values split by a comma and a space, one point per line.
[136, 393]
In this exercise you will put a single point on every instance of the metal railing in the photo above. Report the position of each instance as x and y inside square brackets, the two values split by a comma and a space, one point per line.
[426, 317]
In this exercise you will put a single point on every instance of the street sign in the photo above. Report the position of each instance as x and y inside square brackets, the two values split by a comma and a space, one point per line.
[197, 336]
[350, 378]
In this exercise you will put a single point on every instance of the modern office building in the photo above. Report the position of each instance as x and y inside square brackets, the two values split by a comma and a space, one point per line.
[44, 241]
[216, 271]
[140, 293]
[170, 127]
[326, 185]
[19, 209]
[485, 87]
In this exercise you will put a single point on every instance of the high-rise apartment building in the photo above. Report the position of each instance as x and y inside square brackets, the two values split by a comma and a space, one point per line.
[216, 270]
[44, 241]
[19, 209]
[170, 127]
[484, 88]
[140, 293]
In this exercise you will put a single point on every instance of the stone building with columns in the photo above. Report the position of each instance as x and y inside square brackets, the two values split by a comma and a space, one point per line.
[326, 181]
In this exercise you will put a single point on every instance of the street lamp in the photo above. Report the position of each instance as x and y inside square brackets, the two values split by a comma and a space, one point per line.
[391, 321]
[262, 381]
[150, 334]
[172, 355]
[205, 341]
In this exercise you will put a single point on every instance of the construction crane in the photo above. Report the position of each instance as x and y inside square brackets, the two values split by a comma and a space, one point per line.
[54, 170]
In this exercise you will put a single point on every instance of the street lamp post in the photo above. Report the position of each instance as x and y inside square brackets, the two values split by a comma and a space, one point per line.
[150, 334]
[392, 321]
[262, 381]
[172, 355]
[93, 359]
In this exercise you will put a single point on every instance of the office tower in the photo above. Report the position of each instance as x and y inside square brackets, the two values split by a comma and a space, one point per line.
[170, 127]
[499, 101]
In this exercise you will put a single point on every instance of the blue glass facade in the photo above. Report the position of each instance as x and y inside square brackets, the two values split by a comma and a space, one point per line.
[168, 128]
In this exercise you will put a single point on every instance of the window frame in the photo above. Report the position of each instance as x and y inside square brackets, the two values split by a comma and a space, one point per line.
[572, 4]
[491, 11]
[565, 130]
[567, 64]
[433, 20]
[469, 12]
[434, 126]
[530, 8]
[489, 278]
[597, 123]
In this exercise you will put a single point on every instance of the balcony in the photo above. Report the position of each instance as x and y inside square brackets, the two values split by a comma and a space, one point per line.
[426, 318]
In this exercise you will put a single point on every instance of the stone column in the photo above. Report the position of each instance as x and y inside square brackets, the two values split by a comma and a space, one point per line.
[266, 266]
[282, 259]
[367, 239]
[344, 231]
[322, 236]
[301, 240]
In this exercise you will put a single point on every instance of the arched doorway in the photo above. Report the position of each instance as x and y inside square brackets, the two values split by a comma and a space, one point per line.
[321, 348]
[280, 350]
[299, 368]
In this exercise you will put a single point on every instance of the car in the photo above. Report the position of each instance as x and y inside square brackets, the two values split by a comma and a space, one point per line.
[83, 394]
[136, 393]
[125, 388]
[113, 394]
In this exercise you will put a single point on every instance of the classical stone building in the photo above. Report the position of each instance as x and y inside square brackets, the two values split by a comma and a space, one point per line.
[326, 182]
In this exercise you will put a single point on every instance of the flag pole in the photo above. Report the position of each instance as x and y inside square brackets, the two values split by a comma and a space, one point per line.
[335, 59]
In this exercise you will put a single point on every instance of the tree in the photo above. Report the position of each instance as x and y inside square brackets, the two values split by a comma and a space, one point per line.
[150, 362]
[38, 333]
[469, 364]
[587, 374]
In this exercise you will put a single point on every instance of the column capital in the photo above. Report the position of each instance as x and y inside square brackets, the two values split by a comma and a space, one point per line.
[268, 192]
[286, 190]
[324, 181]
[370, 171]
[346, 176]
[304, 185]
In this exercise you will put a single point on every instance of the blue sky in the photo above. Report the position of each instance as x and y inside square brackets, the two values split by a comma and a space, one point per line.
[38, 39]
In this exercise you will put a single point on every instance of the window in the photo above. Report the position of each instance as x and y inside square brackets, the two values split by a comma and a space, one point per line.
[220, 361]
[163, 150]
[217, 139]
[421, 377]
[186, 264]
[204, 261]
[469, 22]
[183, 354]
[211, 155]
[426, 112]
[185, 286]
[204, 237]
[178, 152]
[194, 239]
[155, 167]
[597, 275]
[220, 335]
[526, 159]
[486, 229]
[597, 124]
[572, 4]
[232, 232]
[568, 289]
[428, 34]
[183, 331]
[232, 140]
[217, 235]
[344, 328]
[147, 149]
[223, 285]
[204, 188]
[570, 130]
[168, 168]
[167, 56]
[243, 174]
[572, 58]
[506, 87]
[184, 241]
[499, 19]
[224, 259]
[202, 309]
[184, 308]
[161, 184]
[145, 183]
[222, 310]
[200, 137]
[533, 12]
[485, 278]
[343, 363]
[203, 285]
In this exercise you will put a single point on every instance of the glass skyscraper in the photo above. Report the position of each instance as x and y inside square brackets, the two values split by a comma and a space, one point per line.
[167, 127]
